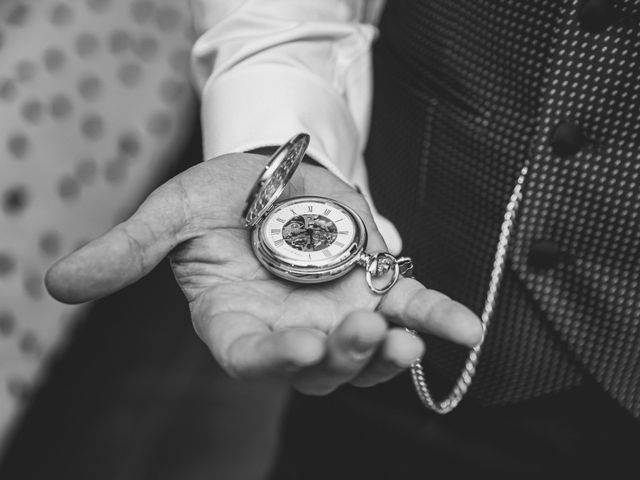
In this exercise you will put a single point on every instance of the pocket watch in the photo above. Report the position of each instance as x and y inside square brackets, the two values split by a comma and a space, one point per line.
[311, 239]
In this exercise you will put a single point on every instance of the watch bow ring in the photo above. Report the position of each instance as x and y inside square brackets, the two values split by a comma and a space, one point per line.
[311, 239]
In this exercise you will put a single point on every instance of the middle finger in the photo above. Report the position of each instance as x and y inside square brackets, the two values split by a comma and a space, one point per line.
[349, 349]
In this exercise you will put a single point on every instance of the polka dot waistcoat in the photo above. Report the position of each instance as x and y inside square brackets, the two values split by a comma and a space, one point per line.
[467, 92]
[95, 100]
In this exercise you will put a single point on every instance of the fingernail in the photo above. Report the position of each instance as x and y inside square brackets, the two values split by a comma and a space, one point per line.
[360, 348]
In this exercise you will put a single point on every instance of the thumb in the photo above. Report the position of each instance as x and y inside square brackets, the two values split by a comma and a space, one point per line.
[124, 254]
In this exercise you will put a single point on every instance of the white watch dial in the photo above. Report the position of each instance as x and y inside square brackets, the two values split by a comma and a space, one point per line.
[309, 231]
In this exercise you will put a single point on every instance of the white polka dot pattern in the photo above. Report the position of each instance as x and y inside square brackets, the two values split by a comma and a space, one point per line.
[469, 91]
[95, 99]
[589, 203]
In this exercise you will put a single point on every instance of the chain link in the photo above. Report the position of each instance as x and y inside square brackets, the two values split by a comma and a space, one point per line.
[464, 380]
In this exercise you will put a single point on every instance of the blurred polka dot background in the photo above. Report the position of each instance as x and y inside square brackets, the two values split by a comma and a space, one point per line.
[95, 104]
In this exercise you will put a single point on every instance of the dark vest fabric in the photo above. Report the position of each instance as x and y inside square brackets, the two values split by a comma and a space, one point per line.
[466, 92]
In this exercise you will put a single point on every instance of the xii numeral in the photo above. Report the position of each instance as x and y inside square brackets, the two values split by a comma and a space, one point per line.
[327, 212]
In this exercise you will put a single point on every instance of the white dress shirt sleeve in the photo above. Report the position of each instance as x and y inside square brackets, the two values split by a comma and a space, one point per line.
[267, 70]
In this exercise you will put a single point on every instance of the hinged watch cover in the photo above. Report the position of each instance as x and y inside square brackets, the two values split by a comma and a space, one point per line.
[274, 178]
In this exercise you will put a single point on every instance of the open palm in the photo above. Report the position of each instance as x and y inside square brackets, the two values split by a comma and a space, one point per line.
[255, 324]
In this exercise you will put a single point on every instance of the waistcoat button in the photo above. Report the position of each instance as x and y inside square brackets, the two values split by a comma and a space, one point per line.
[567, 139]
[596, 16]
[544, 254]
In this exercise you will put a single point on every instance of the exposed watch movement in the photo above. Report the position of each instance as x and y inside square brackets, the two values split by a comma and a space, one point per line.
[309, 239]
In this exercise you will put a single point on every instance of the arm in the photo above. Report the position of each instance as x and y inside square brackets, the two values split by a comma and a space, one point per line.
[266, 70]
[318, 336]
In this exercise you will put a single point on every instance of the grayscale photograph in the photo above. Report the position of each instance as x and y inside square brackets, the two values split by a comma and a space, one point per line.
[319, 239]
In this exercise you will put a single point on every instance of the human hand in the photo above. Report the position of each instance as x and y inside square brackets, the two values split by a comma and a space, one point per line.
[318, 336]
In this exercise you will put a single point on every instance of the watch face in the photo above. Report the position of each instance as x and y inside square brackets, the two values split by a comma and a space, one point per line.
[310, 231]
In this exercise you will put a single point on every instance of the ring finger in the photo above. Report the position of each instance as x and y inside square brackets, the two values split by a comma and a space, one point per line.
[349, 349]
[397, 352]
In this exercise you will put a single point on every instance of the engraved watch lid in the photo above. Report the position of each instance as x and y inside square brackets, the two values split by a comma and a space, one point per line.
[275, 176]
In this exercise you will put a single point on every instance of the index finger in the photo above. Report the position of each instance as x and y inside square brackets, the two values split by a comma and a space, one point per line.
[412, 305]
